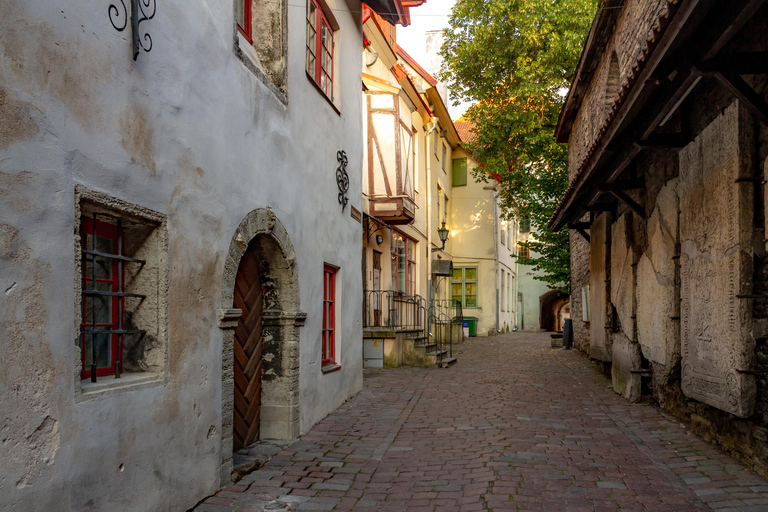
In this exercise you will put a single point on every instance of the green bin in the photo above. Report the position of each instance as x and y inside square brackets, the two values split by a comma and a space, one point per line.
[471, 323]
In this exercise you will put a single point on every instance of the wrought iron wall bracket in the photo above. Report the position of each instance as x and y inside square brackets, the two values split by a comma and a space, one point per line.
[342, 178]
[141, 11]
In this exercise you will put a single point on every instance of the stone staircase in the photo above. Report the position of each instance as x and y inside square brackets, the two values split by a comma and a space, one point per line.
[426, 353]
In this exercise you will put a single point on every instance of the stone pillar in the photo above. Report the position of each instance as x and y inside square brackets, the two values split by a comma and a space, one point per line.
[228, 319]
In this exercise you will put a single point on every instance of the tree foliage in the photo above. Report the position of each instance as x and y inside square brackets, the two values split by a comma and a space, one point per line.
[513, 59]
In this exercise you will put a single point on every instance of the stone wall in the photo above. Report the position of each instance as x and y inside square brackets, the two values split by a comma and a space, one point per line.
[700, 341]
[579, 285]
[632, 30]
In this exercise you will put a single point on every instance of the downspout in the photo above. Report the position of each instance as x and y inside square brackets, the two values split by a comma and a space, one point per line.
[496, 252]
[428, 166]
[495, 199]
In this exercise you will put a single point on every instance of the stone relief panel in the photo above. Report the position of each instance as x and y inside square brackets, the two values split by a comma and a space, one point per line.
[599, 288]
[715, 267]
[658, 328]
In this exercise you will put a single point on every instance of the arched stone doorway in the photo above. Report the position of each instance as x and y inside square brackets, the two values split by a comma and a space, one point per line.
[549, 309]
[261, 244]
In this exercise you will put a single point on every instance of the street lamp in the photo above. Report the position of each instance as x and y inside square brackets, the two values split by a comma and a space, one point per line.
[443, 234]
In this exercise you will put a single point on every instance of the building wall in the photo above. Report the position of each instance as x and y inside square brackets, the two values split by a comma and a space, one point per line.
[677, 320]
[190, 132]
[476, 223]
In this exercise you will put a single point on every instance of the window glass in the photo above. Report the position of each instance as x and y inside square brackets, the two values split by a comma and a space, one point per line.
[464, 287]
[319, 49]
[459, 172]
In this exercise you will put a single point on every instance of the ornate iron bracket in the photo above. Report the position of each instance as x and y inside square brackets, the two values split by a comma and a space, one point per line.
[141, 11]
[342, 178]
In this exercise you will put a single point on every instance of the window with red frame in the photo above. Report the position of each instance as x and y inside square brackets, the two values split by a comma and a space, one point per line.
[403, 264]
[319, 48]
[102, 303]
[329, 316]
[243, 16]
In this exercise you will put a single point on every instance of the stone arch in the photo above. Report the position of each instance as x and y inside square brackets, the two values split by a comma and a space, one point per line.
[549, 309]
[262, 232]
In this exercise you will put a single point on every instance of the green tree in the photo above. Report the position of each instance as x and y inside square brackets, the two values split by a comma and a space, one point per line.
[514, 59]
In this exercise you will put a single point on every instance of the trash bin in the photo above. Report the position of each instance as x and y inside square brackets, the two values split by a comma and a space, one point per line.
[471, 323]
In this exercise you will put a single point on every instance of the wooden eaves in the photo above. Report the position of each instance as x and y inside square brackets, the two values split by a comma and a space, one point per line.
[683, 47]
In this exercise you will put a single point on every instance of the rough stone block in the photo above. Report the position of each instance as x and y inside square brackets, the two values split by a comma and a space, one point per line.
[599, 346]
[626, 357]
[657, 328]
[622, 276]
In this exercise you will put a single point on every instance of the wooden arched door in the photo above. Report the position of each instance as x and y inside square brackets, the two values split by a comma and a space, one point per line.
[249, 343]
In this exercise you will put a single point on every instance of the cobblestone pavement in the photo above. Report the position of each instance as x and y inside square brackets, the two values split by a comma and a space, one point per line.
[514, 425]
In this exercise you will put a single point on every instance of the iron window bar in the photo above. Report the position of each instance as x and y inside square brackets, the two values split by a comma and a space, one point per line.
[120, 294]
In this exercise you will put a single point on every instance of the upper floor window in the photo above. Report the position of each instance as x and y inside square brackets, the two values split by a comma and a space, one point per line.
[525, 225]
[243, 16]
[261, 41]
[442, 160]
[503, 232]
[320, 48]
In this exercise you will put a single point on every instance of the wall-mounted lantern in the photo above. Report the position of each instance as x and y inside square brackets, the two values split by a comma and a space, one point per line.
[379, 239]
[443, 234]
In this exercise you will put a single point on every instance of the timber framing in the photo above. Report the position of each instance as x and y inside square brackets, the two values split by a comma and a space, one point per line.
[684, 48]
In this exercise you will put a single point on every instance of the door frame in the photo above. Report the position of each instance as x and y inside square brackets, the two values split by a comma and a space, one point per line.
[263, 232]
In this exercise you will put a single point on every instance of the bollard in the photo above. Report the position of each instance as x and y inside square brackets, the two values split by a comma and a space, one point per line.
[568, 334]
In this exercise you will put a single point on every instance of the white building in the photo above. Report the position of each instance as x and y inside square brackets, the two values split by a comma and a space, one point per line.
[196, 165]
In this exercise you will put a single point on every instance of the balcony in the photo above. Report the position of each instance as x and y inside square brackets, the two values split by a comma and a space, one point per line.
[393, 211]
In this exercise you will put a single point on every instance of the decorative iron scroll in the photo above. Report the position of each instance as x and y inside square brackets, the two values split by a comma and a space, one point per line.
[141, 11]
[118, 17]
[342, 178]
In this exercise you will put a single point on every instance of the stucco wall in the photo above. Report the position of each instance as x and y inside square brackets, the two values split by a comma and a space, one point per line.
[190, 132]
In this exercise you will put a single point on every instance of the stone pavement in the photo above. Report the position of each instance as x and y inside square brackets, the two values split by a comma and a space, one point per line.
[514, 425]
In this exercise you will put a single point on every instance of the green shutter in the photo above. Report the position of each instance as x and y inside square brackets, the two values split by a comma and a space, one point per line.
[459, 172]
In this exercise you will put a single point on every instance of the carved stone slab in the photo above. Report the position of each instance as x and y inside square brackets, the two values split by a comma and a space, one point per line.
[599, 288]
[716, 266]
[657, 326]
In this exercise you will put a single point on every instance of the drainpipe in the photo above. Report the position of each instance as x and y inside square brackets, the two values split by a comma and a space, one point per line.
[428, 165]
[495, 199]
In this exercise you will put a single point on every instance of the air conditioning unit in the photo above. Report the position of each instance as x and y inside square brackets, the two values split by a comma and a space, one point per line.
[442, 267]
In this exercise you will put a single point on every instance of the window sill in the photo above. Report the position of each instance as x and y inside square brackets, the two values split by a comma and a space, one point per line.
[329, 368]
[107, 386]
[330, 102]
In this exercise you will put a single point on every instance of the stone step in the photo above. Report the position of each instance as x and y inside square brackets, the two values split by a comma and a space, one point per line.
[446, 362]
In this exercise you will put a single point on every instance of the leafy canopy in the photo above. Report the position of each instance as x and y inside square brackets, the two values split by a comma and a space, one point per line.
[514, 59]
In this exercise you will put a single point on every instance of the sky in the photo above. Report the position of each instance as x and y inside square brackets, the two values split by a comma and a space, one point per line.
[433, 15]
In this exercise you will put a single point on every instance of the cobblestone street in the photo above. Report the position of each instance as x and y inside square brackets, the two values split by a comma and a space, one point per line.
[514, 425]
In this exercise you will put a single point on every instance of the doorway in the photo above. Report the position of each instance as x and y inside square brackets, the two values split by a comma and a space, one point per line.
[248, 352]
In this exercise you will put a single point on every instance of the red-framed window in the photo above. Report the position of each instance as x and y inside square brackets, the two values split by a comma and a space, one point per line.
[100, 312]
[243, 17]
[319, 48]
[329, 316]
[403, 264]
